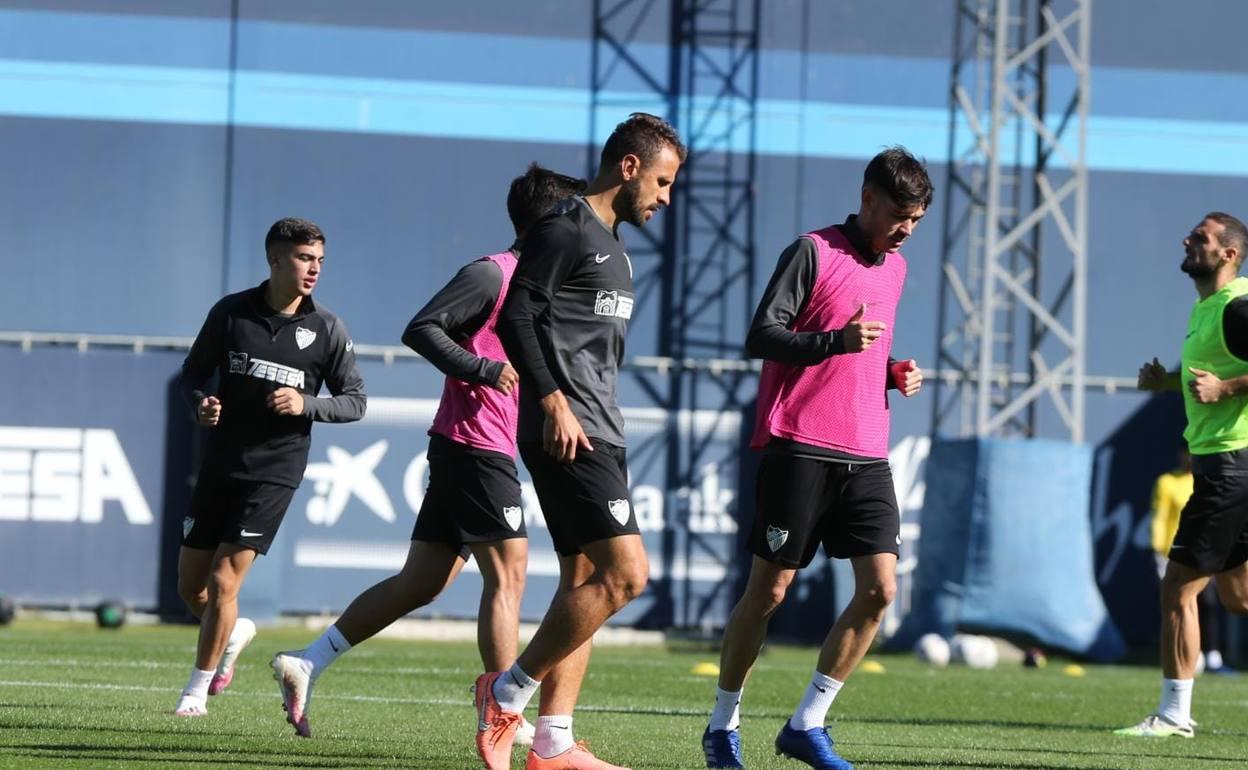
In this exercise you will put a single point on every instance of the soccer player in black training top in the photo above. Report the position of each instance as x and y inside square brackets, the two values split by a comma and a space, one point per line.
[563, 328]
[472, 506]
[271, 348]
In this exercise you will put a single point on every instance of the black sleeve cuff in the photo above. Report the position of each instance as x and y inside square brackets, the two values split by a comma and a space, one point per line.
[836, 343]
[490, 371]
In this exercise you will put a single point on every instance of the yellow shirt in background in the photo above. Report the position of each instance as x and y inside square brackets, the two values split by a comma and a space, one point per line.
[1169, 496]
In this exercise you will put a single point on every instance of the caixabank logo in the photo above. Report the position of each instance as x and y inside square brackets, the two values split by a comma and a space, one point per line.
[66, 475]
[382, 474]
[353, 478]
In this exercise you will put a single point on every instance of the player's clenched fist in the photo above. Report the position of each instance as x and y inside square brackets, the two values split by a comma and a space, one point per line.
[907, 377]
[859, 334]
[285, 401]
[507, 379]
[1152, 376]
[209, 411]
[1206, 387]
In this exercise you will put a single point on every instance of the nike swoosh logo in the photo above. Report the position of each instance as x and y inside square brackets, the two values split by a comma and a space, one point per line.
[560, 727]
[600, 258]
[820, 689]
[334, 646]
[245, 533]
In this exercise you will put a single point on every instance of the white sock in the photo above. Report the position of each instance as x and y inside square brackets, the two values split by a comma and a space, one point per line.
[1176, 701]
[554, 735]
[197, 687]
[727, 712]
[1213, 660]
[243, 629]
[514, 689]
[326, 649]
[813, 709]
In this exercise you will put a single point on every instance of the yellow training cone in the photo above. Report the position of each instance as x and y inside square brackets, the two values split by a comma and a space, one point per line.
[706, 669]
[871, 667]
[1074, 669]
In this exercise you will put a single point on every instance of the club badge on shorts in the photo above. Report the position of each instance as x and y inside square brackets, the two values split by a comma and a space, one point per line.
[511, 514]
[776, 537]
[619, 510]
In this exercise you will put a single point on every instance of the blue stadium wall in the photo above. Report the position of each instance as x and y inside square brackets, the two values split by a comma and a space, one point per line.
[147, 146]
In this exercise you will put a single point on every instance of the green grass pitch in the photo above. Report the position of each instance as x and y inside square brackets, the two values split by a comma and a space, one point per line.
[72, 696]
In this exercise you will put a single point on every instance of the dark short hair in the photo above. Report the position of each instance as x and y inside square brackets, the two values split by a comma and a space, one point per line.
[535, 192]
[292, 231]
[643, 135]
[900, 176]
[1234, 234]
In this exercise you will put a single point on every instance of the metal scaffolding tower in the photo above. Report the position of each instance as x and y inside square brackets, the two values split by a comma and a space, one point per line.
[624, 80]
[699, 270]
[1015, 211]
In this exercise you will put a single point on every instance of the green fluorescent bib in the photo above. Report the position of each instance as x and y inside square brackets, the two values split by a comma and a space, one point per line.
[1223, 426]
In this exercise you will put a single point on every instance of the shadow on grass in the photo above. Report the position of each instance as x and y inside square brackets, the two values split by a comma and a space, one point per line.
[1106, 751]
[971, 765]
[7, 725]
[980, 765]
[906, 721]
[1012, 724]
[199, 756]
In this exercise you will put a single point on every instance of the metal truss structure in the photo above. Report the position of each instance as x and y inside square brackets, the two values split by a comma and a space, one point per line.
[698, 270]
[1015, 212]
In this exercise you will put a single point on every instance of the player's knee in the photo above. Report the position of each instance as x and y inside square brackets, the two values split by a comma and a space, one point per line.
[765, 592]
[511, 581]
[624, 584]
[223, 586]
[877, 596]
[194, 594]
[1172, 593]
[770, 596]
[506, 579]
[1234, 600]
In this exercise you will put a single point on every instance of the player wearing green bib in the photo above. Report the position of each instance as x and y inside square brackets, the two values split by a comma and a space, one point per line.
[1212, 540]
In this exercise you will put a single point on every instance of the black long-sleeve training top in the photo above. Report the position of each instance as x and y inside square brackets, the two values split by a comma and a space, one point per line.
[454, 314]
[565, 318]
[254, 350]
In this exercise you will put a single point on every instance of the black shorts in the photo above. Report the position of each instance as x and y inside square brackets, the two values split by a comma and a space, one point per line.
[473, 497]
[1213, 527]
[235, 512]
[849, 507]
[582, 501]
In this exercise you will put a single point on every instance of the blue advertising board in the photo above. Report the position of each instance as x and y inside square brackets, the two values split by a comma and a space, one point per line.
[82, 464]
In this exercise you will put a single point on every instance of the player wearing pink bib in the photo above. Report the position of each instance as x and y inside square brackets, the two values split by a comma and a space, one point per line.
[472, 504]
[824, 329]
